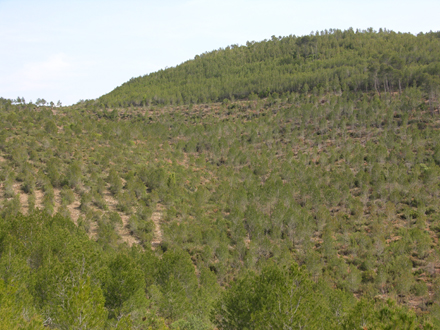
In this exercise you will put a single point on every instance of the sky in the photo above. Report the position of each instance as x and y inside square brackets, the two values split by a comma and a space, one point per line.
[73, 50]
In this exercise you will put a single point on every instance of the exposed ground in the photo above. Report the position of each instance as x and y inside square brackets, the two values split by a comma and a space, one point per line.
[157, 217]
[75, 212]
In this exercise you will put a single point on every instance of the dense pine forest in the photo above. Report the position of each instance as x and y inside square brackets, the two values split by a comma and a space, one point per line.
[291, 183]
[326, 61]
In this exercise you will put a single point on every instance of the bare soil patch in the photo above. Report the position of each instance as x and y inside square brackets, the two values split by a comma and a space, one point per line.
[123, 231]
[74, 209]
[156, 217]
[39, 199]
[23, 197]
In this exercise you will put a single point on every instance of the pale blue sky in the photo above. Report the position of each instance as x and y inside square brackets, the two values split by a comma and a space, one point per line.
[72, 50]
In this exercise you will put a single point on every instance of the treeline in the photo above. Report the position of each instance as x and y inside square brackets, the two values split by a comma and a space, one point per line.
[327, 61]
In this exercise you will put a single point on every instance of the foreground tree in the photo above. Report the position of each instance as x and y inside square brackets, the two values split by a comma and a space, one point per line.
[278, 298]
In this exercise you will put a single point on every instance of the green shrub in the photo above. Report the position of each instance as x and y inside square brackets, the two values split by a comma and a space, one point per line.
[86, 200]
[8, 188]
[67, 196]
[99, 201]
[420, 289]
[126, 200]
[115, 219]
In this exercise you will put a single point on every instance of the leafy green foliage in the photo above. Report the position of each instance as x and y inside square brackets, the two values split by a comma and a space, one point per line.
[15, 311]
[276, 298]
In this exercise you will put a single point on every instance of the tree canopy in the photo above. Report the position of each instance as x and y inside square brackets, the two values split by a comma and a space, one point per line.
[331, 60]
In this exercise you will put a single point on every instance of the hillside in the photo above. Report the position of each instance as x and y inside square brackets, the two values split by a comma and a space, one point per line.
[274, 208]
[328, 61]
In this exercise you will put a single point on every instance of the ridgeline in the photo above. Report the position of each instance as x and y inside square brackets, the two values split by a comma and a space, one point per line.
[329, 61]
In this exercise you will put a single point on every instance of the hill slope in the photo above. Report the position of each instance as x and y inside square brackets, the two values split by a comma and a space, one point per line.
[344, 184]
[200, 214]
[330, 61]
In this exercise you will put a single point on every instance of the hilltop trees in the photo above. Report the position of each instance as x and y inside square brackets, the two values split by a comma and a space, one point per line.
[335, 60]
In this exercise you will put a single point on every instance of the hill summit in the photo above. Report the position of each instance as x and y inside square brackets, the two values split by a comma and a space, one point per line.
[328, 61]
